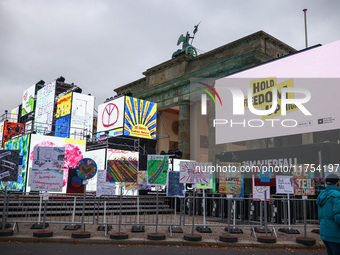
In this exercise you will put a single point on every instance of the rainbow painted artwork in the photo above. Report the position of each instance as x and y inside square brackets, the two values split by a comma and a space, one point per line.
[140, 118]
[121, 171]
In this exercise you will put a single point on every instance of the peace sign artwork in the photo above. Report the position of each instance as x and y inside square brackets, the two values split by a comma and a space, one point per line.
[111, 115]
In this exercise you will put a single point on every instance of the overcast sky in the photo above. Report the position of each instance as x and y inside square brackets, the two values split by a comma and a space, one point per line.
[103, 44]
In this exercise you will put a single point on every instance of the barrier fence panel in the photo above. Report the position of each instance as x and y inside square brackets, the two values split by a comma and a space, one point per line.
[282, 211]
[246, 212]
[131, 205]
[60, 208]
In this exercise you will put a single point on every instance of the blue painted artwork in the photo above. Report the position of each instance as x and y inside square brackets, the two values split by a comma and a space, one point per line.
[62, 126]
[175, 188]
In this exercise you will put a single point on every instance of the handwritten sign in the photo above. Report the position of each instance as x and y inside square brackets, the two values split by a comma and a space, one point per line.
[284, 184]
[47, 180]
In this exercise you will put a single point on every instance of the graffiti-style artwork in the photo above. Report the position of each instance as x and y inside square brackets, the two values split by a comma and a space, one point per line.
[22, 144]
[10, 130]
[121, 171]
[9, 162]
[303, 180]
[158, 166]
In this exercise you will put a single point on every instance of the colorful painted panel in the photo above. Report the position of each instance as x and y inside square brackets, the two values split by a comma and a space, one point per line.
[209, 185]
[174, 187]
[28, 100]
[86, 168]
[192, 172]
[99, 157]
[9, 162]
[230, 180]
[64, 105]
[74, 151]
[62, 126]
[158, 166]
[113, 154]
[21, 144]
[74, 182]
[11, 130]
[303, 180]
[264, 175]
[121, 171]
[140, 118]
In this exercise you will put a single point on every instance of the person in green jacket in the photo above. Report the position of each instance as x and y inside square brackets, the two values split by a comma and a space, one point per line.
[329, 214]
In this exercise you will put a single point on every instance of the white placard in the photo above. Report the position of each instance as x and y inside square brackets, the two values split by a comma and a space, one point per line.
[259, 191]
[284, 184]
[103, 187]
[28, 100]
[44, 108]
[81, 116]
[111, 115]
[47, 180]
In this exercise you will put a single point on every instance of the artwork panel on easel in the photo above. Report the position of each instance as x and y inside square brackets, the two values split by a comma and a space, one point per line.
[304, 184]
[194, 172]
[158, 166]
[260, 192]
[174, 187]
[121, 171]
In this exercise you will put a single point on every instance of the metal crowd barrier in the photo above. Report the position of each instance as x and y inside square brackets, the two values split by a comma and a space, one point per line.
[216, 210]
[60, 208]
[211, 210]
